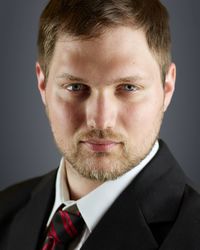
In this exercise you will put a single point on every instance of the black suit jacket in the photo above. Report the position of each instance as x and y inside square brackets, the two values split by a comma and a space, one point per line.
[158, 210]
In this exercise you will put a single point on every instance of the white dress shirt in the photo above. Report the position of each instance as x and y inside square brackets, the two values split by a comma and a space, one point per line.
[94, 205]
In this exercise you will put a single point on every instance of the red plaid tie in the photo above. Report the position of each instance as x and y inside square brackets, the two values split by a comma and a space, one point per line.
[64, 228]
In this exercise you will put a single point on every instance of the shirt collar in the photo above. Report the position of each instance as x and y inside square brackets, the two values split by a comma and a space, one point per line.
[94, 205]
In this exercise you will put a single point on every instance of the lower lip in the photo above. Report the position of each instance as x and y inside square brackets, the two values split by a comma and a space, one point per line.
[100, 147]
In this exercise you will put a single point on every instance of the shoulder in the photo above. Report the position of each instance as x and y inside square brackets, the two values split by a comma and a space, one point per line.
[191, 202]
[185, 231]
[13, 198]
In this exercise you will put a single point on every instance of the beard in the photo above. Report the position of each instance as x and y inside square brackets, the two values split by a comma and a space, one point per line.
[104, 166]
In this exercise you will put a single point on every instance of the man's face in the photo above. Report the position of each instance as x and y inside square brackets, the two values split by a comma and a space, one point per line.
[105, 101]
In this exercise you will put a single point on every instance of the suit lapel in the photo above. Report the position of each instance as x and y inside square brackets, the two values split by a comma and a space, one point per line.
[143, 214]
[159, 187]
[29, 224]
[122, 223]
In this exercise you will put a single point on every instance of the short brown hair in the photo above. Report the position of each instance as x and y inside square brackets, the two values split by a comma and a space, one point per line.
[86, 19]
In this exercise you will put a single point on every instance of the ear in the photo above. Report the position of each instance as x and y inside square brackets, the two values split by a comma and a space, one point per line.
[169, 85]
[41, 82]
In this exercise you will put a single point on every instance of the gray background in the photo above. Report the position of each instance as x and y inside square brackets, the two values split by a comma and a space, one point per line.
[26, 145]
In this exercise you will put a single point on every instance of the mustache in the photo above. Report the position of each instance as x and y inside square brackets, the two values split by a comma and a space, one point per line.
[106, 134]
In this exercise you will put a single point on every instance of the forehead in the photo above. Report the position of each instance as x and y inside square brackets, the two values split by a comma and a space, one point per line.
[115, 49]
[117, 39]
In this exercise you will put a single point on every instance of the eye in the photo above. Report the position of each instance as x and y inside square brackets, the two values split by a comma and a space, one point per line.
[128, 87]
[76, 87]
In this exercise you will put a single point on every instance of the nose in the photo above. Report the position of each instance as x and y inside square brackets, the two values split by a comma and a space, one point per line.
[101, 111]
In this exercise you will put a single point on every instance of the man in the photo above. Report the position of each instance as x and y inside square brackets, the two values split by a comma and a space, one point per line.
[106, 79]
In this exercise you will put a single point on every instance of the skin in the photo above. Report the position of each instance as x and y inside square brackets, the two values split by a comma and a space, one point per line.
[105, 101]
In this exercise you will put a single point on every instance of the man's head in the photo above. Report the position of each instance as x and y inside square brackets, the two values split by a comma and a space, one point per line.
[86, 19]
[100, 74]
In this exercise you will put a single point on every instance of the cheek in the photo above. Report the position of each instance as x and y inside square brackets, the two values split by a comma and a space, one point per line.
[142, 115]
[133, 117]
[65, 116]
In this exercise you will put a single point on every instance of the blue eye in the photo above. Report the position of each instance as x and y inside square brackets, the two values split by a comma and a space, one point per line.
[75, 87]
[129, 87]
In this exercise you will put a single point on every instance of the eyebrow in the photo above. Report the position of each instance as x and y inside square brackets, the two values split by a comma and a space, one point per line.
[128, 79]
[67, 76]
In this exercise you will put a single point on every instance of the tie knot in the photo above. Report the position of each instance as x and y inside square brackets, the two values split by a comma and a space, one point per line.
[64, 227]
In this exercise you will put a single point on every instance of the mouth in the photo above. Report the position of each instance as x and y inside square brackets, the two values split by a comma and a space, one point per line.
[100, 145]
